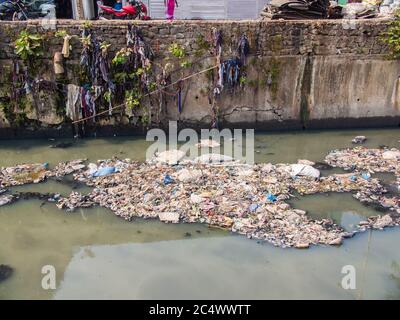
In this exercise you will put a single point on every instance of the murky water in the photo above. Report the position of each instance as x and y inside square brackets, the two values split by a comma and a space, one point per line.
[98, 255]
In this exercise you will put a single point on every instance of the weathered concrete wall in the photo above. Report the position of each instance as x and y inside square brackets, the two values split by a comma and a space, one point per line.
[300, 74]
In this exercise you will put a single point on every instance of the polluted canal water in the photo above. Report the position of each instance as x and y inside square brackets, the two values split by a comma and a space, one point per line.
[101, 256]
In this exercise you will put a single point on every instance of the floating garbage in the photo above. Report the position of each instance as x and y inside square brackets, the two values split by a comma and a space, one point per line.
[62, 145]
[306, 162]
[208, 143]
[169, 157]
[271, 197]
[370, 161]
[366, 175]
[23, 174]
[6, 199]
[66, 168]
[246, 199]
[75, 200]
[213, 158]
[101, 172]
[361, 158]
[359, 139]
[5, 272]
[171, 217]
[304, 170]
[168, 180]
[186, 175]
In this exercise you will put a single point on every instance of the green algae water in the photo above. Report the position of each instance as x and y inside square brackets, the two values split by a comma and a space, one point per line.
[97, 255]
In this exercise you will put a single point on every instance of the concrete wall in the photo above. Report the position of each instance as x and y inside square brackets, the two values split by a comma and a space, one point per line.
[301, 74]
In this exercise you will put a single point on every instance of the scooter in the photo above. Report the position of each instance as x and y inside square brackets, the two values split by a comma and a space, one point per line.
[15, 10]
[134, 10]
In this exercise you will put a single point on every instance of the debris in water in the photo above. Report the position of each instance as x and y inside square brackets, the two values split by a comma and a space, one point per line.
[246, 199]
[359, 139]
[62, 145]
[23, 174]
[207, 143]
[7, 199]
[5, 272]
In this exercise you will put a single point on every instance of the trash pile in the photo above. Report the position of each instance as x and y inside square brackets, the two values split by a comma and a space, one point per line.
[361, 10]
[36, 173]
[246, 199]
[296, 9]
[249, 200]
[325, 9]
[75, 200]
[11, 198]
[6, 199]
[359, 139]
[361, 158]
[371, 161]
[389, 6]
[66, 168]
[23, 174]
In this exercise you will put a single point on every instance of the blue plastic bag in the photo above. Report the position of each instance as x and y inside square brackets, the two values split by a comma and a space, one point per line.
[253, 207]
[353, 178]
[271, 197]
[104, 171]
[168, 180]
[366, 175]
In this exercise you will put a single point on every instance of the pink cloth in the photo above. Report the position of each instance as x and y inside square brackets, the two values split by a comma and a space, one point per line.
[169, 12]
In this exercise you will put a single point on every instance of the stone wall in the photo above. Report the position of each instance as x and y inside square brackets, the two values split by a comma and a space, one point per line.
[300, 74]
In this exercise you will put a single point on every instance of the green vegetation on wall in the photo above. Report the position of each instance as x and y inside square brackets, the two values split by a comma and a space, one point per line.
[392, 37]
[28, 46]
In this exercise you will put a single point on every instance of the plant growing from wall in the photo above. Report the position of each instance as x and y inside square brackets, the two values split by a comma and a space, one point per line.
[391, 37]
[121, 57]
[28, 46]
[61, 34]
[179, 52]
[132, 99]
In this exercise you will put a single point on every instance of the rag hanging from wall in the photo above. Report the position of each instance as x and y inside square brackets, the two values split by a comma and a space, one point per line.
[243, 49]
[66, 49]
[73, 110]
[232, 70]
[94, 60]
[81, 101]
[179, 94]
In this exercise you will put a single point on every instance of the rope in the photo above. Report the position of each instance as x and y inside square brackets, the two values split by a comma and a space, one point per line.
[148, 94]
